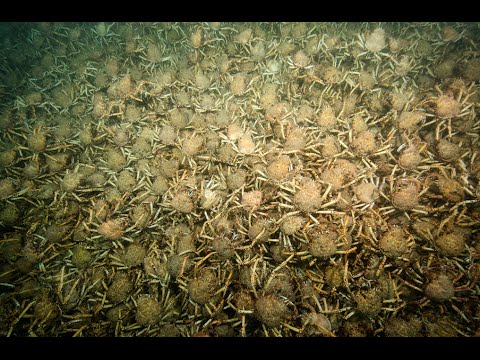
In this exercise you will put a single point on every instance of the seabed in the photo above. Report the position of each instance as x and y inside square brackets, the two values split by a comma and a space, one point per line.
[239, 179]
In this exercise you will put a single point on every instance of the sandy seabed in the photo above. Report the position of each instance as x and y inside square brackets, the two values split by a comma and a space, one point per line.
[239, 179]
